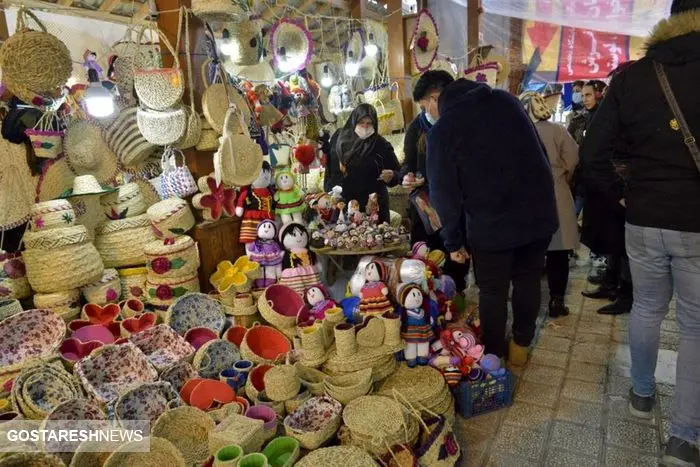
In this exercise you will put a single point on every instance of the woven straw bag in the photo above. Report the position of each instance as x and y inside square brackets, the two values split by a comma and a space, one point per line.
[61, 249]
[281, 383]
[176, 181]
[121, 242]
[218, 97]
[162, 127]
[194, 125]
[46, 142]
[125, 139]
[208, 138]
[384, 117]
[170, 217]
[239, 158]
[34, 60]
[132, 54]
[179, 258]
[398, 122]
[225, 11]
[484, 73]
[106, 290]
[188, 429]
[9, 307]
[133, 282]
[160, 88]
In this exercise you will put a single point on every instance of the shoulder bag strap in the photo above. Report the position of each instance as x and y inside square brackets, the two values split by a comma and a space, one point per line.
[688, 137]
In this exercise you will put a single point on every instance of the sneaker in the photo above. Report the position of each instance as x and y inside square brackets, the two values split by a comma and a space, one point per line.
[597, 276]
[641, 407]
[680, 453]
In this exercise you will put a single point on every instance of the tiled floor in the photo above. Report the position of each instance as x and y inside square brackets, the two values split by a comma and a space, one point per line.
[570, 404]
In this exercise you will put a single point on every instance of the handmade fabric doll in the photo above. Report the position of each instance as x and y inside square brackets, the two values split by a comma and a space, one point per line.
[317, 298]
[461, 342]
[267, 252]
[417, 328]
[374, 294]
[255, 204]
[372, 208]
[299, 268]
[354, 214]
[289, 199]
[324, 209]
[420, 251]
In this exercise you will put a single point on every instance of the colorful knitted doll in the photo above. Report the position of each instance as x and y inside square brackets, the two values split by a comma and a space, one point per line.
[317, 298]
[417, 329]
[299, 268]
[255, 204]
[374, 294]
[289, 199]
[267, 252]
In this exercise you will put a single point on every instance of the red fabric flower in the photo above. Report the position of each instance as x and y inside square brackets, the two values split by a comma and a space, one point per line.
[163, 292]
[111, 294]
[136, 291]
[220, 199]
[14, 269]
[423, 42]
[161, 265]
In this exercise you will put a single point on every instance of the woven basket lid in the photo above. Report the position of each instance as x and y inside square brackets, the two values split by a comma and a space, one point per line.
[425, 41]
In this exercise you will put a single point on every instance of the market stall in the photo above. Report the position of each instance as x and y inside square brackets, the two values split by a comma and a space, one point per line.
[166, 240]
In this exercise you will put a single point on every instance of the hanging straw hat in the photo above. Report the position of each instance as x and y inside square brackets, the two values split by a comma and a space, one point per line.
[425, 40]
[291, 44]
[223, 11]
[16, 185]
[87, 151]
[87, 185]
[245, 42]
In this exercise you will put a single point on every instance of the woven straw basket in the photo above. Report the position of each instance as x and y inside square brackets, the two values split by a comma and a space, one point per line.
[264, 344]
[193, 129]
[63, 249]
[288, 304]
[32, 459]
[188, 429]
[126, 141]
[121, 242]
[305, 428]
[152, 452]
[239, 158]
[66, 303]
[371, 334]
[125, 202]
[350, 386]
[162, 127]
[338, 456]
[106, 290]
[208, 138]
[217, 97]
[217, 10]
[16, 280]
[9, 307]
[237, 429]
[163, 292]
[345, 340]
[312, 342]
[171, 217]
[160, 88]
[247, 37]
[172, 260]
[392, 329]
[133, 282]
[311, 378]
[51, 214]
[282, 383]
[35, 60]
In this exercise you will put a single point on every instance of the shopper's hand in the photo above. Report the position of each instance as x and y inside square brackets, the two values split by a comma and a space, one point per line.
[460, 256]
[623, 203]
[386, 176]
[414, 184]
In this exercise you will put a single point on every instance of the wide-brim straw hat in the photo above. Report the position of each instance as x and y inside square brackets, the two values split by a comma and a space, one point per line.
[485, 73]
[290, 38]
[88, 153]
[85, 185]
[16, 185]
[158, 452]
[56, 177]
[425, 41]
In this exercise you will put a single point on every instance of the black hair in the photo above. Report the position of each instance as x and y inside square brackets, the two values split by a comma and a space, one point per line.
[681, 6]
[266, 167]
[577, 83]
[432, 80]
[597, 85]
[293, 228]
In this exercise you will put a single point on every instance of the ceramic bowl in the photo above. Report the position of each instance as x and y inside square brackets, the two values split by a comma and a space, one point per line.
[197, 337]
[97, 314]
[178, 374]
[73, 350]
[196, 310]
[214, 357]
[114, 369]
[29, 336]
[86, 332]
[146, 402]
[138, 324]
[163, 346]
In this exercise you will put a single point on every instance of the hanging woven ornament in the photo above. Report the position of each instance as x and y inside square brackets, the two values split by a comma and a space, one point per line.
[425, 41]
[243, 43]
[291, 45]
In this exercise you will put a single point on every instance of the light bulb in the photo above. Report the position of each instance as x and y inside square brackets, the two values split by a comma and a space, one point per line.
[326, 81]
[352, 68]
[98, 101]
[371, 49]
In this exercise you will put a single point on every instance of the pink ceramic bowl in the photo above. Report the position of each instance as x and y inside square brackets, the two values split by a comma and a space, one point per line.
[197, 337]
[74, 350]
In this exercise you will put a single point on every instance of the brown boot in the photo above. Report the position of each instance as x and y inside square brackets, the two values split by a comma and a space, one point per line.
[517, 355]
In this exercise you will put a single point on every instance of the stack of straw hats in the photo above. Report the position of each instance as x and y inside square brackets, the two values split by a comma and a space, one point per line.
[121, 239]
[84, 197]
[59, 257]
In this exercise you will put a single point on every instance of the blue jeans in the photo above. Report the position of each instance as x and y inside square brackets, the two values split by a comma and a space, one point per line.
[661, 262]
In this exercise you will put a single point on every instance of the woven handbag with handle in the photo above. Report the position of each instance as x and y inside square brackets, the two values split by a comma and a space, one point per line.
[162, 127]
[193, 128]
[160, 88]
[129, 54]
[176, 182]
[217, 97]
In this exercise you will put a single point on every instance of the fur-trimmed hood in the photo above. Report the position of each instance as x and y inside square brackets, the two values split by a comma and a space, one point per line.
[676, 40]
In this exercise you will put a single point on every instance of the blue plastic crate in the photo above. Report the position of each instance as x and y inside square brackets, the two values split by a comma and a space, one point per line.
[485, 396]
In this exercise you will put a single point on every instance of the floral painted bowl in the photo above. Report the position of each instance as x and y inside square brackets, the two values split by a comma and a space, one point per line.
[146, 402]
[214, 357]
[114, 369]
[40, 388]
[29, 336]
[163, 346]
[196, 310]
[77, 409]
[314, 422]
[73, 350]
[200, 336]
[178, 374]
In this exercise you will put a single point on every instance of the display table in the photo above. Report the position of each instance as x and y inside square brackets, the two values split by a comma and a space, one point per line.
[335, 258]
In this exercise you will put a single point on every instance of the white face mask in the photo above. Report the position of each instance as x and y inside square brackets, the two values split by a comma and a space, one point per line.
[430, 118]
[364, 133]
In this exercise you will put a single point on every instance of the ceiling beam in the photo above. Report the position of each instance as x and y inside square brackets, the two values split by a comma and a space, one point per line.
[108, 5]
[73, 11]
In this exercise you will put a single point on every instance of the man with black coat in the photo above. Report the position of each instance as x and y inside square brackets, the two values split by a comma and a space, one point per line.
[487, 163]
[662, 197]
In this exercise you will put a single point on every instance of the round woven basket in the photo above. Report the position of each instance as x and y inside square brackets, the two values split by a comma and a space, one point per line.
[66, 303]
[306, 426]
[392, 329]
[282, 383]
[264, 344]
[125, 202]
[162, 127]
[312, 342]
[179, 258]
[15, 281]
[338, 456]
[106, 290]
[345, 340]
[52, 214]
[163, 292]
[193, 130]
[188, 429]
[9, 307]
[133, 282]
[311, 378]
[215, 102]
[171, 217]
[208, 138]
[121, 242]
[58, 250]
[280, 305]
[153, 452]
[31, 459]
[350, 386]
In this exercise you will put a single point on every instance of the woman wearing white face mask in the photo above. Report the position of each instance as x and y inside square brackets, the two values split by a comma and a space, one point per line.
[362, 161]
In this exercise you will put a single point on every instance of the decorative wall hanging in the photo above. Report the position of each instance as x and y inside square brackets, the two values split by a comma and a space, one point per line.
[425, 41]
[243, 43]
[291, 45]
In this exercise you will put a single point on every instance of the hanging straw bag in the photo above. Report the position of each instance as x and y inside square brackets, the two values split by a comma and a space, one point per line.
[162, 127]
[208, 137]
[385, 118]
[160, 88]
[218, 96]
[239, 158]
[398, 121]
[176, 182]
[130, 54]
[46, 142]
[193, 128]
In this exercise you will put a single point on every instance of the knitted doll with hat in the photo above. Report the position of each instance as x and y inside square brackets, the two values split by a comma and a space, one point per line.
[417, 327]
[374, 294]
[299, 267]
[255, 204]
[289, 199]
[420, 250]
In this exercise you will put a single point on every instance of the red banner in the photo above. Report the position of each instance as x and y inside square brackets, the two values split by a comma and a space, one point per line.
[588, 54]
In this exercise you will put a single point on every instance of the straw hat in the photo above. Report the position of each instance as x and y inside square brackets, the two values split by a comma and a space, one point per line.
[127, 201]
[291, 44]
[87, 151]
[484, 73]
[56, 177]
[425, 41]
[16, 185]
[84, 185]
[223, 11]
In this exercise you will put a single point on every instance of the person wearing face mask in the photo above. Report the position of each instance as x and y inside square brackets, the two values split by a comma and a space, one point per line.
[361, 161]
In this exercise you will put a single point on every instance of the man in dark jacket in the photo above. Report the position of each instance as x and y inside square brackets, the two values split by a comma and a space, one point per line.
[663, 212]
[486, 162]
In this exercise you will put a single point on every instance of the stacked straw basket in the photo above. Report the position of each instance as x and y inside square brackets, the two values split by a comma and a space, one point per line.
[281, 383]
[65, 303]
[121, 242]
[171, 217]
[106, 290]
[171, 266]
